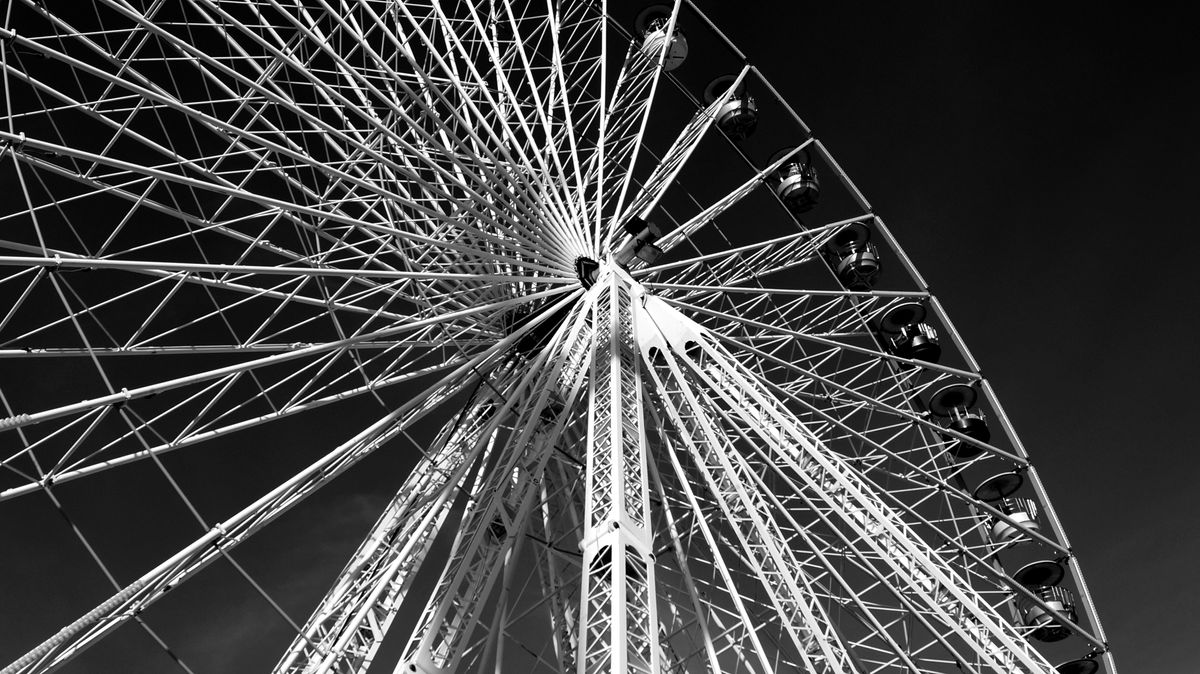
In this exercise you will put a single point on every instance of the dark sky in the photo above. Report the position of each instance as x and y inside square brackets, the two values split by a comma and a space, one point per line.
[1035, 167]
[1039, 166]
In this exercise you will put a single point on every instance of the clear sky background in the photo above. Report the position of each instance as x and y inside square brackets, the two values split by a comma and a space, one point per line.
[1039, 167]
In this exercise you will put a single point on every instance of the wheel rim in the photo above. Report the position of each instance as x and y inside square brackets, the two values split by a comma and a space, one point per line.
[349, 224]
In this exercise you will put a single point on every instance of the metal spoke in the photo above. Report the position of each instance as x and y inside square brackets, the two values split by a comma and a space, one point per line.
[674, 407]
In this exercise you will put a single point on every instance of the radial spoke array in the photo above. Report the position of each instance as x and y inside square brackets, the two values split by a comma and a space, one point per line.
[668, 412]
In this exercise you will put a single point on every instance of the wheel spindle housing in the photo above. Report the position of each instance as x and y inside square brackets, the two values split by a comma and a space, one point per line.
[653, 23]
[903, 331]
[796, 183]
[587, 271]
[853, 258]
[738, 115]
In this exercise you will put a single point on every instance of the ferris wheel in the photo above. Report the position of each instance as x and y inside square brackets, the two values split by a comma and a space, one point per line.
[678, 400]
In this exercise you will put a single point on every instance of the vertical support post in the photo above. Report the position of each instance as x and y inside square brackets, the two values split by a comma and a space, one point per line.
[618, 616]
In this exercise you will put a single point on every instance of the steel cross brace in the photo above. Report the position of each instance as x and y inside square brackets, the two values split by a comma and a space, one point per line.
[669, 167]
[618, 631]
[828, 480]
[746, 512]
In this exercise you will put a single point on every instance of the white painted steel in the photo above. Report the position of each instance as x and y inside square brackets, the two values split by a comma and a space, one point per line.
[710, 462]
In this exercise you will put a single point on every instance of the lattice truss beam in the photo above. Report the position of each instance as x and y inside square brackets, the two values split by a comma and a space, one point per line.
[706, 459]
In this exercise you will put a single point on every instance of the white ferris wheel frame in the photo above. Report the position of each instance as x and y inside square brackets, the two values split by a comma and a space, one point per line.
[435, 197]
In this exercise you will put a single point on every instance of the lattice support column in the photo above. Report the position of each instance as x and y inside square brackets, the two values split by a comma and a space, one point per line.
[561, 526]
[618, 616]
[554, 576]
[498, 514]
[345, 631]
